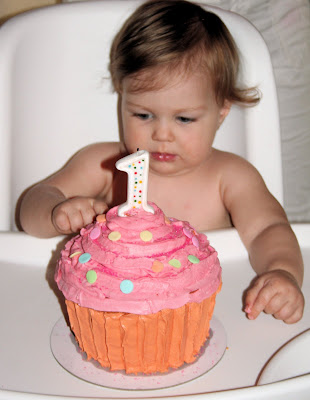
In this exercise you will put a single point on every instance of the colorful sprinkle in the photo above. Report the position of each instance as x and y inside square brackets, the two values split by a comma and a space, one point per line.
[84, 258]
[95, 233]
[91, 276]
[101, 218]
[75, 254]
[157, 266]
[187, 233]
[175, 263]
[167, 220]
[193, 259]
[146, 236]
[114, 236]
[126, 286]
[195, 241]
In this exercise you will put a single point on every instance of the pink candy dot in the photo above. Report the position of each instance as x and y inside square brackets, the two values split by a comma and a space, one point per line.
[95, 233]
[195, 241]
[187, 232]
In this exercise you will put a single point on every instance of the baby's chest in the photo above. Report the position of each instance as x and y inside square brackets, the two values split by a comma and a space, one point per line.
[201, 206]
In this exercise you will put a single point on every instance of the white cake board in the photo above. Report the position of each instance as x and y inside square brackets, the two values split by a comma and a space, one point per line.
[67, 352]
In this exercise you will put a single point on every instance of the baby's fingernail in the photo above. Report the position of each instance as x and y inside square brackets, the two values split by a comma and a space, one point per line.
[248, 309]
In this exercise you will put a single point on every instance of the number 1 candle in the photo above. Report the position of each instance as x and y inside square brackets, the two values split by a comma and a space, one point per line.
[136, 165]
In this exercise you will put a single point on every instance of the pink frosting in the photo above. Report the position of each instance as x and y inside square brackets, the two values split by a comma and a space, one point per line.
[130, 258]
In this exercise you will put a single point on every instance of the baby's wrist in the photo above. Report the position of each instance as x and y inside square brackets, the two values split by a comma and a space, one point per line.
[288, 274]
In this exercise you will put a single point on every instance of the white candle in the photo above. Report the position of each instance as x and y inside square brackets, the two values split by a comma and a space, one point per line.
[136, 165]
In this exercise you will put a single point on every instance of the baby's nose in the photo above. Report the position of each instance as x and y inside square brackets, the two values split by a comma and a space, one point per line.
[162, 132]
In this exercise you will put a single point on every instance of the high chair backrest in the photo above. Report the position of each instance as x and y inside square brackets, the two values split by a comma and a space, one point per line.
[56, 95]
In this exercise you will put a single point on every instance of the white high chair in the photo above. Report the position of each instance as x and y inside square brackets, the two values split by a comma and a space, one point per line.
[55, 97]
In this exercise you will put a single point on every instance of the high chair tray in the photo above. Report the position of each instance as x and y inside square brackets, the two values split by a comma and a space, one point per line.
[31, 305]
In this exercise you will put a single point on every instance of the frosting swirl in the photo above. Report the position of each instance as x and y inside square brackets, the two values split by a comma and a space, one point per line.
[141, 264]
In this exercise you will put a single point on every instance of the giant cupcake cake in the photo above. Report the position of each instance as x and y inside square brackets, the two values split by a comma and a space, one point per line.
[140, 288]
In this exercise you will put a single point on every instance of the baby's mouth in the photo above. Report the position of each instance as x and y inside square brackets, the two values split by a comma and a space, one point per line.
[165, 157]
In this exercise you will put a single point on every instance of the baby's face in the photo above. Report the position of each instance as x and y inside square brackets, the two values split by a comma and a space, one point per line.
[176, 123]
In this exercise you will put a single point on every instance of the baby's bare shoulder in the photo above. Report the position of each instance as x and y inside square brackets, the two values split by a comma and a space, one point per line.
[231, 166]
[102, 150]
[225, 157]
[90, 170]
[246, 196]
[96, 158]
[239, 180]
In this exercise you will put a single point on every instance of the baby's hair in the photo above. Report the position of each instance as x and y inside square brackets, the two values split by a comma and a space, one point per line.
[179, 36]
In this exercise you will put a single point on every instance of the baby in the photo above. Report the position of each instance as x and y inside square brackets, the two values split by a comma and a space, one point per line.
[174, 66]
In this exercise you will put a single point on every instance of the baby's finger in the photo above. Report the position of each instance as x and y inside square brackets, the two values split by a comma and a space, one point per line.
[100, 207]
[292, 311]
[251, 296]
[61, 222]
[276, 304]
[285, 312]
[76, 220]
[88, 215]
[263, 298]
[294, 317]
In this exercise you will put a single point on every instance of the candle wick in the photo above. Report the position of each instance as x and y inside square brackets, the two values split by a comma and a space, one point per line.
[137, 148]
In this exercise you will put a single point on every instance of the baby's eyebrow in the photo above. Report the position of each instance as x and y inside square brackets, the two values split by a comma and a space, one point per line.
[189, 109]
[130, 103]
[178, 111]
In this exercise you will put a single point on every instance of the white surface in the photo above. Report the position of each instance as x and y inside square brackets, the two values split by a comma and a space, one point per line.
[56, 97]
[293, 359]
[30, 304]
[67, 352]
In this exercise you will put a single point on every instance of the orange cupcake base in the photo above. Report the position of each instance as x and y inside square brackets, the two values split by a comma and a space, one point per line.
[142, 343]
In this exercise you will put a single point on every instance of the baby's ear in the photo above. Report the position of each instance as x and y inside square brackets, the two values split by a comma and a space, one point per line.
[224, 111]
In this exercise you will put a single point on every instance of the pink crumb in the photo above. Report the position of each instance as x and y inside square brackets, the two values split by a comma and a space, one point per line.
[248, 309]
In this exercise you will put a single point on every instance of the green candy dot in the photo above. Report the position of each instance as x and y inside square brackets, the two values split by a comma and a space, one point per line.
[193, 259]
[175, 263]
[91, 276]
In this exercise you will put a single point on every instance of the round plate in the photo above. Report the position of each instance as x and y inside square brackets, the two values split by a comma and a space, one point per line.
[67, 352]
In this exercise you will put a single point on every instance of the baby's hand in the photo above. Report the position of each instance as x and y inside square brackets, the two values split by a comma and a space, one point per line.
[277, 293]
[73, 214]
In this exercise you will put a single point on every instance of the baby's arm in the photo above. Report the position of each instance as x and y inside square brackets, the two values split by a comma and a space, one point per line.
[69, 199]
[273, 248]
[276, 257]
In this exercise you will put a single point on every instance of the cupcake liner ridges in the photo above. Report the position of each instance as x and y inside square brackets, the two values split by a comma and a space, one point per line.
[142, 343]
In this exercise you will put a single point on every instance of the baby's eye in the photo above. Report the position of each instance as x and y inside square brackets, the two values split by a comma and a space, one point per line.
[142, 116]
[185, 120]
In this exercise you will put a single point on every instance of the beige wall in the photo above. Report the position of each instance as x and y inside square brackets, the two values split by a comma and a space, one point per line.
[9, 8]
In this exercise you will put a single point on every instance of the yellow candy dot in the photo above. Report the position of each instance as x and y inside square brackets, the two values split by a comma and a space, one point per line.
[146, 236]
[75, 254]
[114, 236]
[157, 266]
